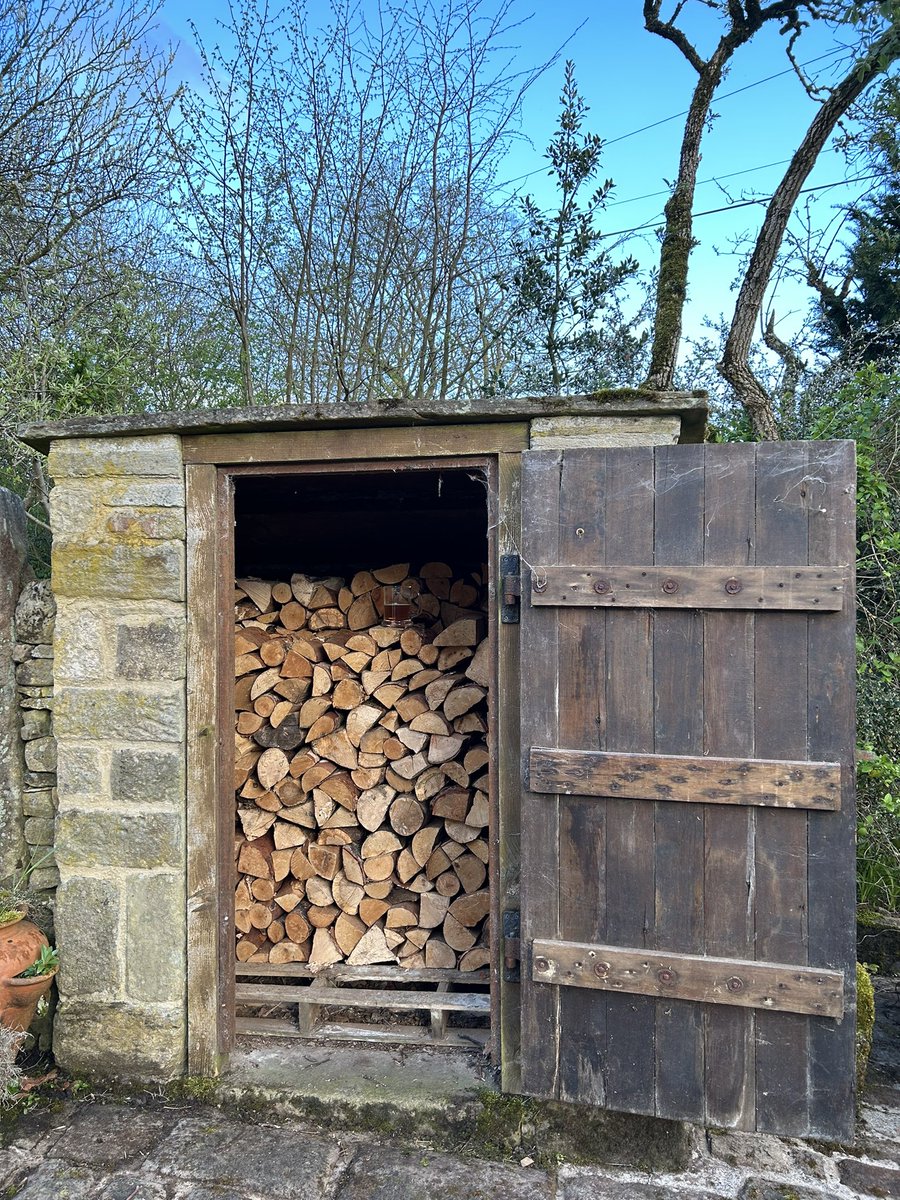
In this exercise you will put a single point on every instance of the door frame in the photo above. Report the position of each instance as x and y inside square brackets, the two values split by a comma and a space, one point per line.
[212, 462]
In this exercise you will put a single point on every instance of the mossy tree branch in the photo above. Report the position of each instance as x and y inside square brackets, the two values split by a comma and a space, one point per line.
[734, 365]
[743, 20]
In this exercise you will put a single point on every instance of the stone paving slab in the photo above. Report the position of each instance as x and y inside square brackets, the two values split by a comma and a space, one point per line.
[586, 1187]
[269, 1160]
[110, 1135]
[376, 1174]
[767, 1189]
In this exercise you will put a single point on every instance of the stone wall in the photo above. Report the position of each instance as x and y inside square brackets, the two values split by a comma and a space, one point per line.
[33, 654]
[119, 581]
[13, 570]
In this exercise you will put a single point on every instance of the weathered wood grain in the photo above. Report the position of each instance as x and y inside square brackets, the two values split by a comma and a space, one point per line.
[776, 588]
[831, 674]
[775, 987]
[333, 445]
[784, 492]
[582, 824]
[691, 779]
[540, 815]
[728, 716]
[679, 526]
[203, 883]
[263, 993]
[506, 833]
[630, 840]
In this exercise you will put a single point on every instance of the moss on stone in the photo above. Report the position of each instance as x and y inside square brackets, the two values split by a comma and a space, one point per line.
[865, 1024]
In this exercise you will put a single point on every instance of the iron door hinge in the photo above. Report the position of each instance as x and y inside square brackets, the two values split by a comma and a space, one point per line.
[511, 945]
[510, 589]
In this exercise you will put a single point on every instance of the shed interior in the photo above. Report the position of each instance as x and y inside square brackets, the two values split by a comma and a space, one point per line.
[327, 523]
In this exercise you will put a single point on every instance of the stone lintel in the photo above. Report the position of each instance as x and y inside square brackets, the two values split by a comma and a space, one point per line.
[566, 433]
[692, 406]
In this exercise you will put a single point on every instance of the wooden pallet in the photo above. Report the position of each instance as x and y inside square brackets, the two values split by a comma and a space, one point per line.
[315, 994]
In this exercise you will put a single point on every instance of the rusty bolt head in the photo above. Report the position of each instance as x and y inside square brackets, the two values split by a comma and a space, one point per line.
[734, 984]
[670, 586]
[601, 970]
[602, 586]
[733, 586]
[539, 581]
[541, 964]
[666, 975]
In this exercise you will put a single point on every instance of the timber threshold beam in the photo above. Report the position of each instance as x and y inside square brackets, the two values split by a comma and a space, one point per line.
[696, 779]
[774, 987]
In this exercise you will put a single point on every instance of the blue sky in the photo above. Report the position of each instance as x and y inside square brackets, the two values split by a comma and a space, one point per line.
[631, 80]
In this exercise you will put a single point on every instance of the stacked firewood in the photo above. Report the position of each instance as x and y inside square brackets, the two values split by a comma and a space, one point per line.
[361, 771]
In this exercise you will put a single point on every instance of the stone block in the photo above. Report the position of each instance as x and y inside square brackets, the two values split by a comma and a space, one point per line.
[152, 571]
[97, 512]
[35, 612]
[147, 776]
[118, 1040]
[142, 841]
[155, 963]
[80, 458]
[40, 754]
[36, 723]
[140, 525]
[46, 878]
[870, 1178]
[87, 921]
[79, 771]
[39, 803]
[154, 651]
[35, 672]
[566, 433]
[42, 651]
[39, 831]
[93, 713]
[39, 779]
[145, 493]
[81, 635]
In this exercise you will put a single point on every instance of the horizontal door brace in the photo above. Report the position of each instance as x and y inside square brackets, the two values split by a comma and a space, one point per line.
[774, 987]
[686, 778]
[809, 589]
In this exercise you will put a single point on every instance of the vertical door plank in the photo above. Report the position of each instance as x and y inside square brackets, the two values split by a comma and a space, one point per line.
[582, 674]
[832, 878]
[782, 1052]
[540, 814]
[678, 717]
[728, 707]
[505, 786]
[630, 1020]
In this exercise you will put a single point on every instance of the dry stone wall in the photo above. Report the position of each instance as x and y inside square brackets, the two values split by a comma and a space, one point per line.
[13, 568]
[33, 655]
[119, 581]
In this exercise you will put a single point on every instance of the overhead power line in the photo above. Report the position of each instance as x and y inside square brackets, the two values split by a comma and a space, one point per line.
[675, 116]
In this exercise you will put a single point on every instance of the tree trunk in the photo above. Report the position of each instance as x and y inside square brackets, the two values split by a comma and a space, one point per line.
[735, 360]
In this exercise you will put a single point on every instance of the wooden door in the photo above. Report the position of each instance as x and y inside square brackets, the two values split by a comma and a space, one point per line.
[688, 819]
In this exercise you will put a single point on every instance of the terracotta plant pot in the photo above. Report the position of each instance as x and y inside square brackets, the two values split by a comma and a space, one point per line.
[20, 944]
